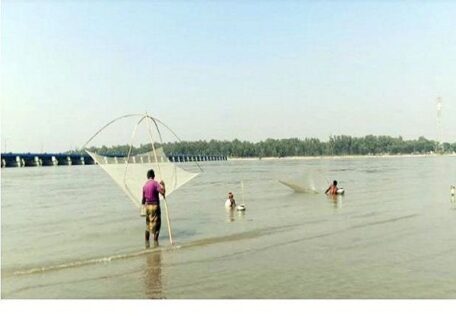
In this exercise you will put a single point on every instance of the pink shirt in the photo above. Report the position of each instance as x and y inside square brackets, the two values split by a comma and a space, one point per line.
[151, 192]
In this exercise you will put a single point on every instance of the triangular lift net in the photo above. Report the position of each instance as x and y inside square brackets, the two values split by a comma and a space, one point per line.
[130, 172]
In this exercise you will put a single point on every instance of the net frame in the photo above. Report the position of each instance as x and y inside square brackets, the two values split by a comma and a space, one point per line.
[156, 152]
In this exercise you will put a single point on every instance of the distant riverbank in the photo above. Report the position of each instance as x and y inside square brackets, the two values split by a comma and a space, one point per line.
[343, 157]
[336, 146]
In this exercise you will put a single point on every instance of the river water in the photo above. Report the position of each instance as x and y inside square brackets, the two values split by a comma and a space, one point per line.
[70, 232]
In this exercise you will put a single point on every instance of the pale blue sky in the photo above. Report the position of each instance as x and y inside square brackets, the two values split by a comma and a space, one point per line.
[226, 69]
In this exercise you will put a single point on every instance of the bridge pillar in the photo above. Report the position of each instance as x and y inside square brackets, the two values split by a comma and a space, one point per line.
[55, 162]
[82, 161]
[69, 162]
[38, 161]
[3, 163]
[18, 161]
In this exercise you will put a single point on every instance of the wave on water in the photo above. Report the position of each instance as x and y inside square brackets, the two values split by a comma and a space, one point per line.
[191, 244]
[197, 243]
[389, 220]
[91, 261]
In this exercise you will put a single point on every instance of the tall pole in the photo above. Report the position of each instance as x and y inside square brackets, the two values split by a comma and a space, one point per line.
[5, 140]
[439, 122]
[148, 118]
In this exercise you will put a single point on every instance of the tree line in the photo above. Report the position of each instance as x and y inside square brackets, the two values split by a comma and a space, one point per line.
[335, 146]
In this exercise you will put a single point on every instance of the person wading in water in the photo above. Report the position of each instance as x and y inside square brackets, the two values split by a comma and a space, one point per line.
[332, 190]
[151, 201]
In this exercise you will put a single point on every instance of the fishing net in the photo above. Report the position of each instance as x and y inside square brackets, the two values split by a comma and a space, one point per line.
[130, 173]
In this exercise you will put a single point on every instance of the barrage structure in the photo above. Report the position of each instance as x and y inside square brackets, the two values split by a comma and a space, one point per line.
[47, 159]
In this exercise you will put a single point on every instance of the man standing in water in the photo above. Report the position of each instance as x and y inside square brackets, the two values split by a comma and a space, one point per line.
[230, 202]
[151, 201]
[332, 190]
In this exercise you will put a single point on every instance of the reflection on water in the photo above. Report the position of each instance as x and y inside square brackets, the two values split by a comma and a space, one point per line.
[230, 213]
[153, 275]
[336, 201]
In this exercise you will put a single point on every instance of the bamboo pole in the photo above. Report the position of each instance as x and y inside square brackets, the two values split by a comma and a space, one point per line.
[161, 176]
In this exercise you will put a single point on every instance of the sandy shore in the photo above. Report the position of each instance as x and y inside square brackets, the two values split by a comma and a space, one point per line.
[343, 157]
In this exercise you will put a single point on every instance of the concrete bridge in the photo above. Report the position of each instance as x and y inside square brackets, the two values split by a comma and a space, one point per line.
[36, 160]
[189, 158]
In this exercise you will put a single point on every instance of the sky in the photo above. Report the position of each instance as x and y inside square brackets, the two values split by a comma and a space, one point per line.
[225, 69]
